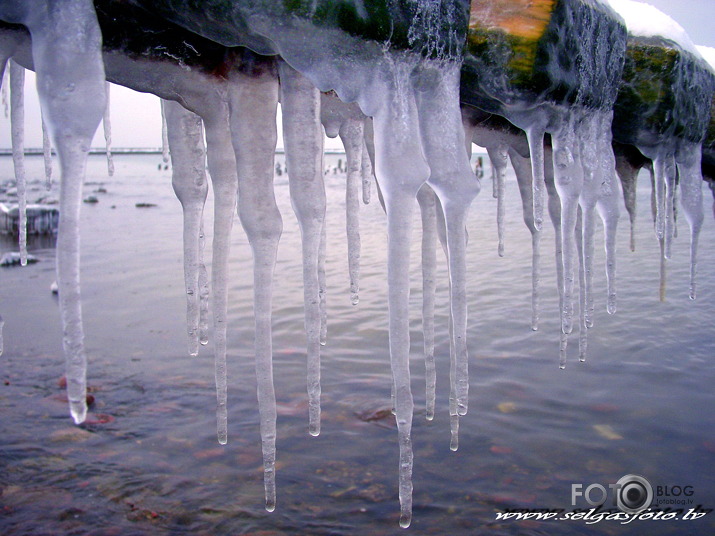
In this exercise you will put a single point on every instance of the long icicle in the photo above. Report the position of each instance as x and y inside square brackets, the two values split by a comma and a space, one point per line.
[581, 238]
[498, 157]
[254, 101]
[456, 185]
[535, 137]
[164, 134]
[73, 102]
[568, 178]
[107, 125]
[401, 171]
[691, 184]
[17, 118]
[366, 174]
[4, 90]
[522, 169]
[222, 168]
[351, 134]
[47, 155]
[427, 203]
[323, 289]
[303, 140]
[204, 290]
[188, 178]
[555, 216]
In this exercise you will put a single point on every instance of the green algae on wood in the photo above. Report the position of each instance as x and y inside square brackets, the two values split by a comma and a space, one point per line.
[524, 53]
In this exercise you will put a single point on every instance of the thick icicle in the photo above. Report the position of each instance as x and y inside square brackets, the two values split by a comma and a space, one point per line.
[401, 170]
[107, 126]
[351, 134]
[253, 102]
[427, 202]
[47, 155]
[164, 134]
[303, 140]
[71, 89]
[366, 174]
[522, 169]
[17, 118]
[498, 156]
[689, 158]
[188, 159]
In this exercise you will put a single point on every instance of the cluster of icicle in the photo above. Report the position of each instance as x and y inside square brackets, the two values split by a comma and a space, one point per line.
[406, 121]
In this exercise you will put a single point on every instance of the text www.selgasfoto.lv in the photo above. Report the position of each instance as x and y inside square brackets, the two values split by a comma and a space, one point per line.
[596, 515]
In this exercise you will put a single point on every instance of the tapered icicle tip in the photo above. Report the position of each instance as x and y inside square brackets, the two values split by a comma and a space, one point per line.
[354, 298]
[563, 345]
[454, 433]
[611, 305]
[78, 410]
[270, 506]
[405, 519]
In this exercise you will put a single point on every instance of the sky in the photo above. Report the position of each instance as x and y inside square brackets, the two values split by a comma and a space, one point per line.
[136, 119]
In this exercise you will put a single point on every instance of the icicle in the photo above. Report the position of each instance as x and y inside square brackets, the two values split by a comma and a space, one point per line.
[670, 171]
[2, 325]
[351, 134]
[106, 123]
[522, 169]
[204, 291]
[188, 178]
[456, 185]
[17, 118]
[535, 136]
[71, 92]
[164, 134]
[322, 285]
[581, 239]
[628, 174]
[663, 166]
[303, 140]
[427, 202]
[498, 156]
[47, 155]
[598, 165]
[555, 216]
[366, 174]
[401, 171]
[689, 158]
[222, 169]
[253, 102]
[568, 178]
[5, 100]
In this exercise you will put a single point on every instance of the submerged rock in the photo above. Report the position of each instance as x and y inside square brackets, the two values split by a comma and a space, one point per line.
[41, 219]
[12, 258]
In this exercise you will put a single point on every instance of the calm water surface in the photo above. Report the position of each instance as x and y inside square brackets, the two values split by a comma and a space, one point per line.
[147, 461]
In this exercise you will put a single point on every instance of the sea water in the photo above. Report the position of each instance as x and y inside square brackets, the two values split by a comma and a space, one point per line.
[147, 460]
